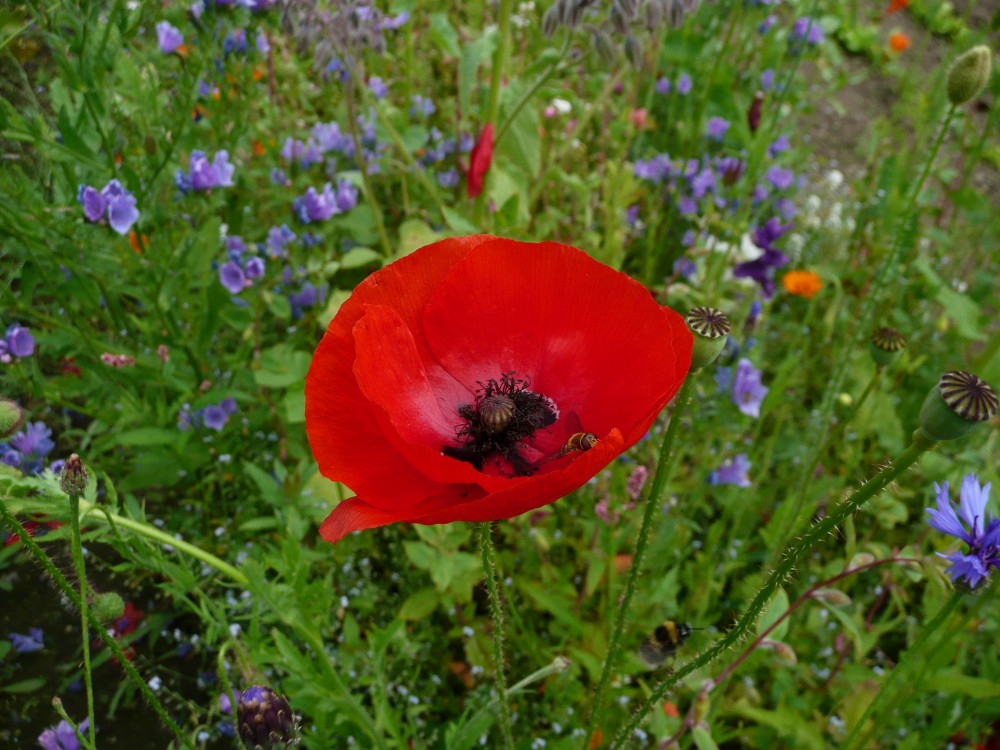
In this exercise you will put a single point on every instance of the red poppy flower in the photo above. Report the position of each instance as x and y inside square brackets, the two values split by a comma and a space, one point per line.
[480, 378]
[479, 161]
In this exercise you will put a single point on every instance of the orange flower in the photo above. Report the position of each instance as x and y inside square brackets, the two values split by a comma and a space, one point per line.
[899, 42]
[895, 6]
[802, 283]
[670, 710]
[133, 240]
[258, 148]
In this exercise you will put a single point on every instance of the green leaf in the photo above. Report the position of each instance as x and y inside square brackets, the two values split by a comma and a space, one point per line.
[414, 234]
[281, 367]
[443, 35]
[458, 222]
[420, 604]
[29, 685]
[703, 739]
[954, 681]
[359, 256]
[147, 436]
[414, 137]
[959, 307]
[295, 406]
[774, 609]
[473, 55]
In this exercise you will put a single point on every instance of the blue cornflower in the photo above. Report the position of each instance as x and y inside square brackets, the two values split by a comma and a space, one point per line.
[25, 644]
[748, 391]
[733, 470]
[62, 736]
[971, 526]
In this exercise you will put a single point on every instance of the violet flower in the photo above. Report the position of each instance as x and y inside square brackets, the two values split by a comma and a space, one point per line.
[971, 526]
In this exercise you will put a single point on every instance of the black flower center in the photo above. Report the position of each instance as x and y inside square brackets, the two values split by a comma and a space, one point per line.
[504, 416]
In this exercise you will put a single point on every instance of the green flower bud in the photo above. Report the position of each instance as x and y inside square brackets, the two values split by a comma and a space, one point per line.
[955, 405]
[11, 417]
[969, 74]
[711, 328]
[886, 345]
[633, 51]
[107, 607]
[605, 48]
[73, 478]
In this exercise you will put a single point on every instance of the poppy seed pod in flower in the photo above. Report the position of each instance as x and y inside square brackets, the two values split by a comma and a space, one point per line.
[480, 378]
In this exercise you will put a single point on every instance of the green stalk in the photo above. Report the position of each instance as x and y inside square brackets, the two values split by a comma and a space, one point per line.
[366, 182]
[530, 93]
[902, 669]
[785, 567]
[496, 610]
[664, 468]
[67, 588]
[81, 574]
[496, 75]
[151, 532]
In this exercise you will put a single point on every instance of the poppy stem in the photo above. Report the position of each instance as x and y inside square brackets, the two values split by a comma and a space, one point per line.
[787, 563]
[496, 610]
[81, 575]
[74, 598]
[664, 468]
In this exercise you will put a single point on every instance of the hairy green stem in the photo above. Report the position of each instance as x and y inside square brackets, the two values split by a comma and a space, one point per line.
[76, 547]
[901, 670]
[788, 562]
[496, 611]
[151, 532]
[664, 468]
[67, 588]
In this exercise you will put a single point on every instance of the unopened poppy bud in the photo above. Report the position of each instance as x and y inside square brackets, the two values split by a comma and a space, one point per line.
[73, 478]
[550, 21]
[265, 720]
[633, 51]
[958, 402]
[604, 48]
[711, 328]
[107, 607]
[833, 597]
[754, 113]
[886, 345]
[495, 412]
[11, 417]
[969, 74]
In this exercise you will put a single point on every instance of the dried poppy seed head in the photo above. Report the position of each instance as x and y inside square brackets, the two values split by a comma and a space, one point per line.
[711, 328]
[886, 345]
[265, 720]
[969, 74]
[73, 478]
[955, 405]
[11, 417]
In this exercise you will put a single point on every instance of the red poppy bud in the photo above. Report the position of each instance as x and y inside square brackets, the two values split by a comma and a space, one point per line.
[479, 161]
[754, 113]
[449, 384]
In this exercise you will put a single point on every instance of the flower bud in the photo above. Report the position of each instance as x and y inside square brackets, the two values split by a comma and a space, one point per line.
[11, 417]
[73, 478]
[265, 720]
[107, 607]
[604, 48]
[633, 51]
[886, 344]
[955, 405]
[969, 74]
[782, 650]
[550, 21]
[754, 113]
[833, 597]
[711, 329]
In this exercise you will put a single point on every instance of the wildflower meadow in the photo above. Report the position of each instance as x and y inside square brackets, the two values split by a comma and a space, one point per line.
[558, 374]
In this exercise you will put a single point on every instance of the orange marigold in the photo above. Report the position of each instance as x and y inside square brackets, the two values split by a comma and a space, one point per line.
[802, 283]
[899, 41]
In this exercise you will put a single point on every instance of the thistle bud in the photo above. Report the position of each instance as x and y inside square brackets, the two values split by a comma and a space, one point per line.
[11, 417]
[755, 110]
[107, 607]
[969, 74]
[265, 720]
[711, 330]
[886, 345]
[604, 48]
[633, 51]
[73, 478]
[955, 405]
[496, 411]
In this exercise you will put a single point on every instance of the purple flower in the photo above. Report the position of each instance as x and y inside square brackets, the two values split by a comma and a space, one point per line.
[422, 106]
[277, 238]
[748, 391]
[19, 341]
[780, 177]
[330, 138]
[766, 24]
[779, 146]
[656, 169]
[215, 417]
[378, 87]
[662, 85]
[93, 203]
[315, 206]
[25, 644]
[636, 481]
[235, 41]
[263, 46]
[449, 178]
[122, 213]
[684, 84]
[767, 79]
[716, 129]
[254, 268]
[394, 22]
[685, 267]
[169, 37]
[232, 278]
[732, 471]
[702, 183]
[970, 526]
[279, 178]
[114, 202]
[62, 736]
[347, 195]
[34, 441]
[807, 30]
[229, 405]
[205, 174]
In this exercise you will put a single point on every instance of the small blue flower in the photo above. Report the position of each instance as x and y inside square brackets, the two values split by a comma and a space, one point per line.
[716, 129]
[733, 470]
[231, 276]
[169, 37]
[748, 391]
[378, 87]
[25, 644]
[62, 736]
[971, 526]
[683, 84]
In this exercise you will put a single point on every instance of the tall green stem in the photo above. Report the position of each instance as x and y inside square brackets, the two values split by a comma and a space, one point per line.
[359, 155]
[902, 670]
[81, 576]
[664, 468]
[496, 610]
[496, 77]
[787, 564]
